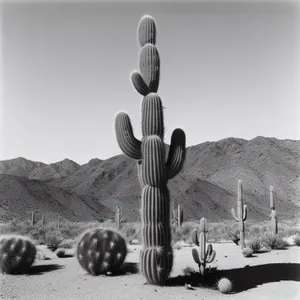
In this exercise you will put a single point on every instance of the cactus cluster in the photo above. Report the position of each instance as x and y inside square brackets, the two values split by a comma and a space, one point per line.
[207, 254]
[274, 221]
[241, 213]
[178, 215]
[101, 250]
[17, 254]
[154, 170]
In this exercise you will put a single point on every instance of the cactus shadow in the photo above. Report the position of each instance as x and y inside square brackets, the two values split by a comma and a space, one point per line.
[243, 278]
[250, 277]
[41, 269]
[127, 268]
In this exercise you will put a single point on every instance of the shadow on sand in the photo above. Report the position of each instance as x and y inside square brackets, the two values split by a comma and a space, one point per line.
[127, 268]
[243, 278]
[41, 269]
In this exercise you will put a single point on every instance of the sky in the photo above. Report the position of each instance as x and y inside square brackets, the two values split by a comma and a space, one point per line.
[228, 69]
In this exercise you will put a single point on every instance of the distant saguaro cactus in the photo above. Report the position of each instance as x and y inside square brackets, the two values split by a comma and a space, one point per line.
[207, 254]
[274, 220]
[33, 220]
[178, 215]
[17, 254]
[118, 217]
[58, 223]
[101, 250]
[241, 213]
[154, 170]
[43, 220]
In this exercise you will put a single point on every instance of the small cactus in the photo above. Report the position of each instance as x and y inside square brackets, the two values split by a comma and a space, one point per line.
[224, 285]
[17, 254]
[241, 213]
[207, 254]
[100, 251]
[274, 221]
[247, 252]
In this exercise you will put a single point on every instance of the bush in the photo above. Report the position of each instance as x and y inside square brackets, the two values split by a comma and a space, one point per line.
[224, 285]
[60, 252]
[188, 271]
[297, 240]
[256, 244]
[272, 241]
[247, 252]
[67, 244]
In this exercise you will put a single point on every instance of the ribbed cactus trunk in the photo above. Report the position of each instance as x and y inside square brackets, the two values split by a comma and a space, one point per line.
[241, 213]
[274, 220]
[154, 171]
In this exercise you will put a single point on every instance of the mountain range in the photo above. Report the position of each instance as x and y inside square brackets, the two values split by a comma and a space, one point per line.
[206, 186]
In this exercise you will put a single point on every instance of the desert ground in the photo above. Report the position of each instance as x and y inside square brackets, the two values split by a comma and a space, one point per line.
[266, 275]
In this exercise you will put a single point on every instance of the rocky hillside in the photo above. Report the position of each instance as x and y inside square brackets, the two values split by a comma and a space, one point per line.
[205, 187]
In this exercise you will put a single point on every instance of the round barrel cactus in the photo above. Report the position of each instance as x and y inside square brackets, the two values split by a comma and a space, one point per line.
[17, 254]
[101, 250]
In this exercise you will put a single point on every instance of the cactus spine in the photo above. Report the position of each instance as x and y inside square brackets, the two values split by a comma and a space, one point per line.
[274, 220]
[17, 254]
[178, 215]
[101, 250]
[207, 254]
[156, 257]
[241, 213]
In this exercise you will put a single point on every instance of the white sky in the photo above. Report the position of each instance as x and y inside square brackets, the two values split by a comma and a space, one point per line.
[227, 69]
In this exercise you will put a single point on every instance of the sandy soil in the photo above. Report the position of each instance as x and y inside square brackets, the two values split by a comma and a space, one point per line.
[273, 275]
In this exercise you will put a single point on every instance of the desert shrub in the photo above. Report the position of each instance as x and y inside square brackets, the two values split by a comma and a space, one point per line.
[297, 240]
[67, 244]
[247, 252]
[60, 252]
[53, 240]
[131, 231]
[255, 244]
[272, 241]
[224, 285]
[234, 235]
[188, 271]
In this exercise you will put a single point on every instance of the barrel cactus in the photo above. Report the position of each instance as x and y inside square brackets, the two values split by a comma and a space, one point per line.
[17, 254]
[101, 251]
[154, 170]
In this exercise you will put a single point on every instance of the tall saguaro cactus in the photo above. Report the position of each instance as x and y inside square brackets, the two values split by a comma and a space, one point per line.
[274, 221]
[241, 213]
[154, 170]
